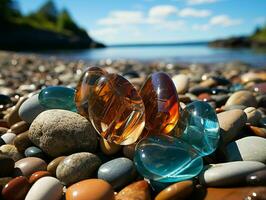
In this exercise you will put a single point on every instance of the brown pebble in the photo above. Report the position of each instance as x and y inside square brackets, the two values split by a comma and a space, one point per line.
[4, 181]
[258, 131]
[181, 190]
[22, 141]
[129, 151]
[109, 148]
[136, 191]
[19, 127]
[16, 189]
[53, 165]
[37, 175]
[3, 130]
[3, 123]
[27, 166]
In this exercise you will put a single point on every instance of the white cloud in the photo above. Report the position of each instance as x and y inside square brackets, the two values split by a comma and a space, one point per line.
[260, 20]
[104, 32]
[224, 20]
[122, 18]
[201, 27]
[195, 2]
[191, 12]
[162, 11]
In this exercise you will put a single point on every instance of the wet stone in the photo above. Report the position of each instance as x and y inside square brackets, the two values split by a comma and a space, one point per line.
[112, 100]
[178, 160]
[161, 103]
[52, 166]
[257, 178]
[58, 97]
[34, 152]
[4, 99]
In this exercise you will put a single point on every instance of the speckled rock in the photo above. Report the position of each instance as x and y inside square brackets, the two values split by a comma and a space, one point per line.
[251, 148]
[11, 151]
[230, 173]
[243, 97]
[77, 167]
[118, 172]
[59, 132]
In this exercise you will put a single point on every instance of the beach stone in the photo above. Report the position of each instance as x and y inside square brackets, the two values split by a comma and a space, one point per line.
[19, 127]
[197, 90]
[251, 76]
[109, 148]
[37, 175]
[253, 116]
[45, 188]
[96, 188]
[228, 174]
[11, 151]
[8, 138]
[7, 165]
[181, 82]
[262, 122]
[27, 166]
[243, 97]
[52, 166]
[233, 107]
[261, 99]
[22, 141]
[252, 148]
[118, 172]
[34, 152]
[4, 124]
[30, 109]
[4, 99]
[4, 181]
[129, 151]
[135, 191]
[260, 88]
[208, 83]
[16, 189]
[2, 142]
[60, 132]
[181, 191]
[231, 122]
[77, 167]
[257, 178]
[261, 132]
[3, 130]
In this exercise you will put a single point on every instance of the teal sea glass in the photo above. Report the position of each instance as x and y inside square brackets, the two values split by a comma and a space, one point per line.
[199, 127]
[58, 97]
[166, 159]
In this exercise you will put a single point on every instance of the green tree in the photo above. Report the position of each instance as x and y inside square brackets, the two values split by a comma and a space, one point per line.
[8, 10]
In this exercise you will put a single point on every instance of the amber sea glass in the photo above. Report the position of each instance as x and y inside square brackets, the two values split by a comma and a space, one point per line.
[161, 103]
[112, 104]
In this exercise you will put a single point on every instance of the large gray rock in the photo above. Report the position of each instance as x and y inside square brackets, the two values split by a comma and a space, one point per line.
[231, 122]
[60, 132]
[252, 148]
[228, 174]
[77, 167]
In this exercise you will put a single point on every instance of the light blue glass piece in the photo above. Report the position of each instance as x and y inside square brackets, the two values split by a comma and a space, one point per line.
[236, 87]
[58, 97]
[166, 159]
[199, 127]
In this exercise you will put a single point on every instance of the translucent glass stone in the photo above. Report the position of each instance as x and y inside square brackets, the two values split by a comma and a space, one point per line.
[112, 104]
[161, 103]
[164, 158]
[58, 97]
[199, 127]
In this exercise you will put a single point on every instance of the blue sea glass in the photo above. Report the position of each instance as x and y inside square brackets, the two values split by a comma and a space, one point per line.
[164, 158]
[199, 127]
[58, 97]
[236, 87]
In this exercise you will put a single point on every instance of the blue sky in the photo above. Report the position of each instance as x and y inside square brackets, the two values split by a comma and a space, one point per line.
[154, 21]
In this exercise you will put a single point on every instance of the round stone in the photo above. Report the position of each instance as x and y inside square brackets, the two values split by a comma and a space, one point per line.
[58, 97]
[16, 189]
[135, 191]
[252, 148]
[261, 132]
[37, 175]
[11, 151]
[45, 188]
[4, 99]
[3, 130]
[181, 191]
[8, 137]
[243, 97]
[53, 165]
[77, 167]
[199, 127]
[34, 152]
[27, 166]
[96, 188]
[30, 109]
[7, 165]
[257, 178]
[253, 116]
[181, 82]
[118, 172]
[228, 174]
[177, 160]
[19, 127]
[60, 132]
[22, 141]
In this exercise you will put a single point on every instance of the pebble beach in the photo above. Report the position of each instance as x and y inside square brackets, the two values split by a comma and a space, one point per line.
[51, 153]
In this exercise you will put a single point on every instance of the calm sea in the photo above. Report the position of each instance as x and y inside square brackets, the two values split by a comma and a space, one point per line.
[187, 53]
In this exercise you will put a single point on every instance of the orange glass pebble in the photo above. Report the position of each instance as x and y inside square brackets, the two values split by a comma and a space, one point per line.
[161, 103]
[112, 104]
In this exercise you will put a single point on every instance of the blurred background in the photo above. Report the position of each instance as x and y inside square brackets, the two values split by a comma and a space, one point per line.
[203, 31]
